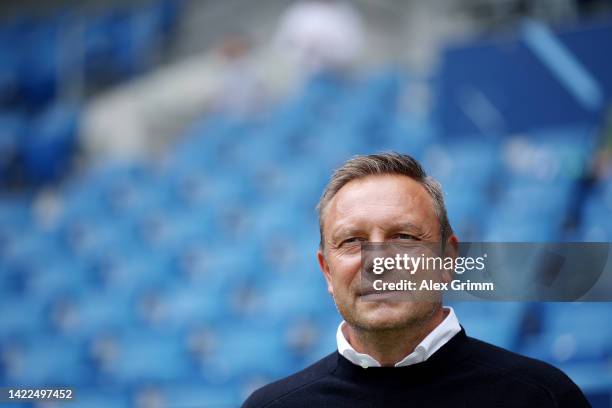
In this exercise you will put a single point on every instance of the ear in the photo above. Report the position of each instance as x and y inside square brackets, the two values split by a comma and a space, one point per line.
[451, 249]
[324, 266]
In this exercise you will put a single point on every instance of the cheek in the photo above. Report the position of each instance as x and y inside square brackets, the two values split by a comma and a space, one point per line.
[345, 268]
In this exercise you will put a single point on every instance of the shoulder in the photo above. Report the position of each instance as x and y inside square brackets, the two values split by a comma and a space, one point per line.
[275, 391]
[493, 358]
[531, 374]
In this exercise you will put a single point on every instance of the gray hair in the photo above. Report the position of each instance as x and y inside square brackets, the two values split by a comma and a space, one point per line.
[385, 164]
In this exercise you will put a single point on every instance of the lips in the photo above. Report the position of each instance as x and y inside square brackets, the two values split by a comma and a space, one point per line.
[367, 288]
[369, 291]
[381, 296]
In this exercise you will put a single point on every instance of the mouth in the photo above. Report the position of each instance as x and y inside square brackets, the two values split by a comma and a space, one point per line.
[367, 290]
[380, 296]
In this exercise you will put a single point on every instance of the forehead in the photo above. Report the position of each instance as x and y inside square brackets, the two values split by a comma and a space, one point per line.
[382, 201]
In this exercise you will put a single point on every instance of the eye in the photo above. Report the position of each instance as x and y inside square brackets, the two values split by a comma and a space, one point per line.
[352, 240]
[403, 236]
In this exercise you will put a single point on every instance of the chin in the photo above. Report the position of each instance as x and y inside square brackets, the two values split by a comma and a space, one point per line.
[386, 315]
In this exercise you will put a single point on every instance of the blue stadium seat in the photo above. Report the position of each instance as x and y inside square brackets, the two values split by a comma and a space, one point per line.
[40, 63]
[29, 245]
[13, 310]
[98, 311]
[12, 130]
[146, 358]
[47, 278]
[573, 332]
[50, 144]
[9, 74]
[136, 35]
[89, 238]
[494, 322]
[231, 361]
[192, 395]
[596, 223]
[302, 295]
[100, 397]
[191, 305]
[42, 360]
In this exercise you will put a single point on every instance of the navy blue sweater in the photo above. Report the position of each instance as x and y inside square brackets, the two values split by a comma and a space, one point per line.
[465, 372]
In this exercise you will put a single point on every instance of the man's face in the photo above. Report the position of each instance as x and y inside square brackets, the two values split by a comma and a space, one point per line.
[386, 208]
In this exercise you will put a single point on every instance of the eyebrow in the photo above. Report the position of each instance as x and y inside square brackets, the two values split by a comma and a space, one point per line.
[408, 226]
[343, 231]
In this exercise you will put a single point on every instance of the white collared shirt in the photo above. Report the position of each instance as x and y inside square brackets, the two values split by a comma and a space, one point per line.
[425, 349]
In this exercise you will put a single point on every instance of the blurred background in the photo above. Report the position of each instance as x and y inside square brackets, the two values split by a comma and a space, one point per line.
[160, 161]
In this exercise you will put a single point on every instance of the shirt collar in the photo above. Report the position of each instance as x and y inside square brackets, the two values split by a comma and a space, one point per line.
[425, 349]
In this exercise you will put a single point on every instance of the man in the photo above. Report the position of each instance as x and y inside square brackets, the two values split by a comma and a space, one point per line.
[402, 353]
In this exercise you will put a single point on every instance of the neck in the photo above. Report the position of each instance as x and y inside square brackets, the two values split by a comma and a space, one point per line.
[390, 346]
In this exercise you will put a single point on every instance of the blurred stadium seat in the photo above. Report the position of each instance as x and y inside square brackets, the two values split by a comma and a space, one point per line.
[159, 274]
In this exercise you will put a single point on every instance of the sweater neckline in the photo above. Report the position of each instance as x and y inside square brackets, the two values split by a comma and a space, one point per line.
[453, 351]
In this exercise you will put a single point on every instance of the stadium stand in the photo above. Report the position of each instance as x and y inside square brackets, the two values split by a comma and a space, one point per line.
[139, 282]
